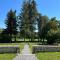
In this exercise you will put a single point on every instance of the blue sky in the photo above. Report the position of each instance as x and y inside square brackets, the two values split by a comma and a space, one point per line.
[50, 8]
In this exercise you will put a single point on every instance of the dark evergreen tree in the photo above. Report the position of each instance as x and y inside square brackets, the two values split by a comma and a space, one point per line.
[11, 24]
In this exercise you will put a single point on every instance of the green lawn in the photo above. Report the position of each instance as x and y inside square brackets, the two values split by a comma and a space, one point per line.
[48, 55]
[12, 44]
[7, 56]
[10, 56]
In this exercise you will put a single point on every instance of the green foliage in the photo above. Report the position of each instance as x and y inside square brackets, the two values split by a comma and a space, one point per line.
[58, 35]
[42, 21]
[52, 31]
[58, 24]
[51, 37]
[52, 24]
[11, 24]
[4, 37]
[27, 18]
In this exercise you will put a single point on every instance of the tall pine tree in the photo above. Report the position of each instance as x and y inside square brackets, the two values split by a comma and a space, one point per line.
[11, 24]
[27, 19]
[33, 18]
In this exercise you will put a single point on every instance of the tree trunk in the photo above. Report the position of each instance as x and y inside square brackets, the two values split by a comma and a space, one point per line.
[43, 40]
[38, 40]
[15, 38]
[29, 39]
[11, 38]
[24, 39]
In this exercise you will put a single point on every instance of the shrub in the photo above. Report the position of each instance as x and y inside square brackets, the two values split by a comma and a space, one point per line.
[51, 37]
[4, 37]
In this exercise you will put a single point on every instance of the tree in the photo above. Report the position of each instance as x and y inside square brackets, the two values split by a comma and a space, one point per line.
[51, 37]
[58, 24]
[33, 17]
[52, 24]
[52, 27]
[42, 21]
[39, 20]
[23, 20]
[27, 19]
[11, 24]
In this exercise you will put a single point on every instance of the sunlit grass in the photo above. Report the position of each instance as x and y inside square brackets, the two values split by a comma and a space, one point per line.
[48, 55]
[7, 56]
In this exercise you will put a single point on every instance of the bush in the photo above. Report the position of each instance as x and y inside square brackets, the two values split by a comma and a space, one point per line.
[4, 37]
[58, 37]
[51, 37]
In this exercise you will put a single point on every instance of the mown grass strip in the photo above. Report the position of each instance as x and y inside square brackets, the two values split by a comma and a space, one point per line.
[48, 55]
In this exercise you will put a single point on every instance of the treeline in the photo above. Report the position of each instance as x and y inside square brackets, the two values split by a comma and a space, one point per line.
[27, 22]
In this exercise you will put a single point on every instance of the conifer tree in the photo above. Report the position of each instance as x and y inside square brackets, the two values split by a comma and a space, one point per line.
[27, 18]
[11, 24]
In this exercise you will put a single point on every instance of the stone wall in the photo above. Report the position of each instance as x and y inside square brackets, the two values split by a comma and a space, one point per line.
[45, 48]
[9, 49]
